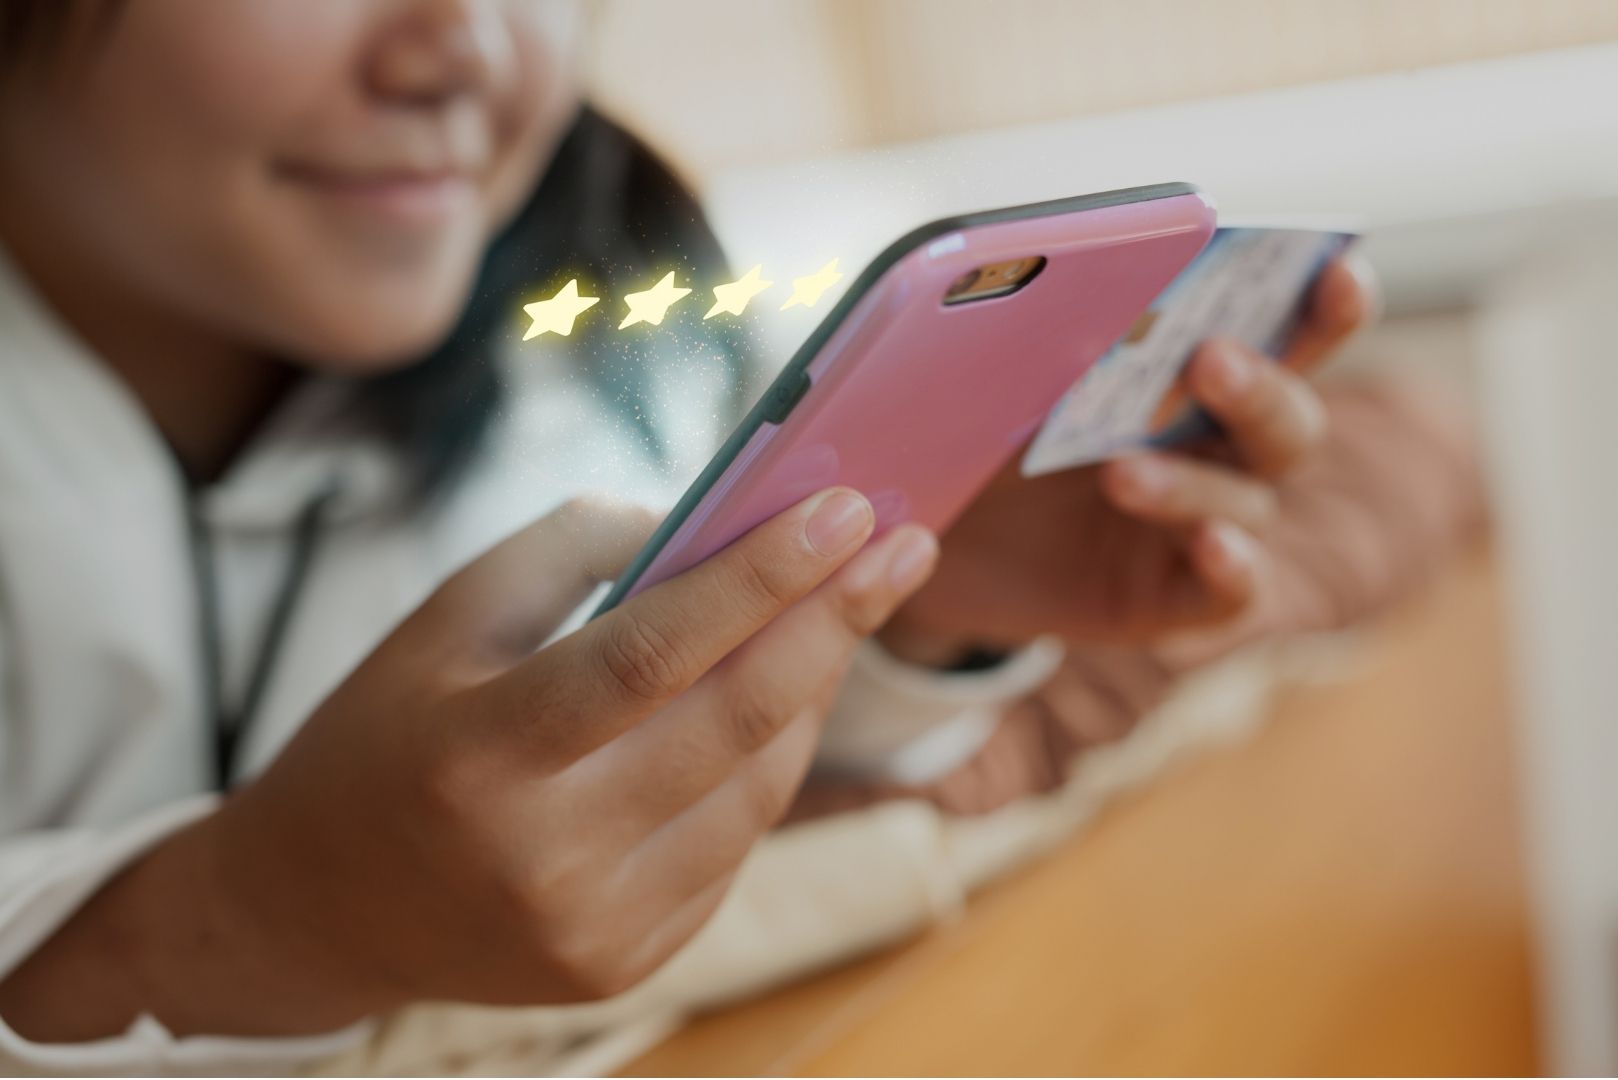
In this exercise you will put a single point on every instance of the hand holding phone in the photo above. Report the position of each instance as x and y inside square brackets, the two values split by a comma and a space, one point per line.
[938, 365]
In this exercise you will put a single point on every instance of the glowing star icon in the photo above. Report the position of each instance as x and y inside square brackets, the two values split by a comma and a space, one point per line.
[556, 315]
[652, 304]
[732, 299]
[806, 290]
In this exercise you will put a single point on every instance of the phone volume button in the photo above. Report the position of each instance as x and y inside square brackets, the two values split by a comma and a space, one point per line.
[785, 396]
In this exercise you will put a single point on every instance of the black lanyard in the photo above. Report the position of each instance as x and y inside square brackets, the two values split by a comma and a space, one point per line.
[230, 725]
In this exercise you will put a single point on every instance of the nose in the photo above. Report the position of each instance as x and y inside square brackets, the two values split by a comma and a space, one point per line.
[435, 50]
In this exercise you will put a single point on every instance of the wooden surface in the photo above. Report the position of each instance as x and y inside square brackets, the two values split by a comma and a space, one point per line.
[1343, 894]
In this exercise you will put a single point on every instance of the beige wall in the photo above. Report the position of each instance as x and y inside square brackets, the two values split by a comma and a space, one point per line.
[720, 83]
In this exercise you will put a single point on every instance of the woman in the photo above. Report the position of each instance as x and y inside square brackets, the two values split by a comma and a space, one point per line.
[258, 404]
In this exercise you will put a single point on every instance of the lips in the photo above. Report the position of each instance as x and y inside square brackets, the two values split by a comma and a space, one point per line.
[404, 192]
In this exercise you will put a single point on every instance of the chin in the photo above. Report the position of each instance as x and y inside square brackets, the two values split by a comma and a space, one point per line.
[364, 347]
[377, 333]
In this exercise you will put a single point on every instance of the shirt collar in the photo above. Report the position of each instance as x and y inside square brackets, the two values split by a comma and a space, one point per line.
[72, 426]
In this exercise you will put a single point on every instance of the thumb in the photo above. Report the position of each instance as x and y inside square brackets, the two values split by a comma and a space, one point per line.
[512, 597]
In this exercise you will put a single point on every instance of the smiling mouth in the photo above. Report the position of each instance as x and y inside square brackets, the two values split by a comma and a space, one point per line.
[408, 196]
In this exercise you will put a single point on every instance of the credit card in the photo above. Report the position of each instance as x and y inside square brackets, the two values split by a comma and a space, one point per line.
[1247, 284]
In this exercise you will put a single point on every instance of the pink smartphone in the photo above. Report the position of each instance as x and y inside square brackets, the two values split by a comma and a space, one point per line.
[938, 364]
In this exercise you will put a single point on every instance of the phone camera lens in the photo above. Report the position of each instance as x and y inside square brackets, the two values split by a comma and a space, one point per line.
[964, 282]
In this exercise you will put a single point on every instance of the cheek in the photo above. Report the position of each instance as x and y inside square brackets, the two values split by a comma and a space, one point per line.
[188, 94]
[537, 101]
[164, 159]
[240, 70]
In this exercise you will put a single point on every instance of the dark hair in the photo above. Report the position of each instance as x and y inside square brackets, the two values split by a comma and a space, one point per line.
[607, 211]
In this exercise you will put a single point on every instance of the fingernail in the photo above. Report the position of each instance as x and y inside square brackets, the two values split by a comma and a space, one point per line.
[909, 566]
[1232, 371]
[1235, 547]
[838, 522]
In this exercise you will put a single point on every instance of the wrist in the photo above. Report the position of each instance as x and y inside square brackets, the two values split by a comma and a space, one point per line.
[161, 939]
[921, 646]
[896, 724]
[283, 949]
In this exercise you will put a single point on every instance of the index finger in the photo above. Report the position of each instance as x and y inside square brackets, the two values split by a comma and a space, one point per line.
[1344, 298]
[1271, 415]
[589, 687]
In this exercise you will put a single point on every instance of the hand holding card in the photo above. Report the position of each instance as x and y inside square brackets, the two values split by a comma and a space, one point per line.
[1154, 540]
[1247, 285]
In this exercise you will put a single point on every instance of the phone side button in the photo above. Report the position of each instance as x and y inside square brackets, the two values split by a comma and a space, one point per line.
[785, 396]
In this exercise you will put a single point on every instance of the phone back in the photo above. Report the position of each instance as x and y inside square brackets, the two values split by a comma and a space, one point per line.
[918, 404]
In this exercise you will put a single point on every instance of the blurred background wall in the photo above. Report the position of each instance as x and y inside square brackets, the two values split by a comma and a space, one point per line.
[808, 77]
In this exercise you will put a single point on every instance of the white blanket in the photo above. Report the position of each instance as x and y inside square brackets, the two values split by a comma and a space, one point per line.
[820, 893]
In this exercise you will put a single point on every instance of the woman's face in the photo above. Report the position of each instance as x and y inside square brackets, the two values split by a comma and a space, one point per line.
[314, 177]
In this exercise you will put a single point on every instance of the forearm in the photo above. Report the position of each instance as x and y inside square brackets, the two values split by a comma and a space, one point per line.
[163, 938]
